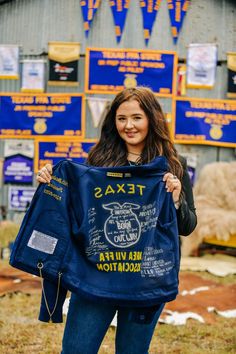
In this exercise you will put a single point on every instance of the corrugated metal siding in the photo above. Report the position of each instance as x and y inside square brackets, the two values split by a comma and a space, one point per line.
[33, 23]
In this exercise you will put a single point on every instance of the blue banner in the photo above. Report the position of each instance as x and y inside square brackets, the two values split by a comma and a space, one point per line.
[177, 12]
[27, 116]
[111, 70]
[149, 11]
[205, 121]
[18, 161]
[19, 198]
[18, 169]
[53, 152]
[119, 10]
[89, 9]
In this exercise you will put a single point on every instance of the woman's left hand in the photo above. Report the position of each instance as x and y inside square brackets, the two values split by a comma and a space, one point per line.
[173, 185]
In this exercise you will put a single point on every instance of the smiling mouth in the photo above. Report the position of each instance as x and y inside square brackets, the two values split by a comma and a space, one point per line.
[130, 135]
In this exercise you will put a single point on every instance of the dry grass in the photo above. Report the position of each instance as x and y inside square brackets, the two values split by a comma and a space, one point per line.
[8, 232]
[22, 333]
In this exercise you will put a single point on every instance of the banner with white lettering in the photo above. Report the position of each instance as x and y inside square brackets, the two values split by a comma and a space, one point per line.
[54, 151]
[63, 63]
[33, 76]
[18, 162]
[9, 61]
[201, 65]
[19, 198]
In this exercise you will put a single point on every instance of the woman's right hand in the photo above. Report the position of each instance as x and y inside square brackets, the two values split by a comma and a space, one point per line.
[44, 175]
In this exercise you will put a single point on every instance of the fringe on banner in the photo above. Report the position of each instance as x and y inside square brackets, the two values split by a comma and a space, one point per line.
[98, 108]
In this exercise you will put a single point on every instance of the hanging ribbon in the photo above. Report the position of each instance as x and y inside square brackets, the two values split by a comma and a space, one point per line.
[149, 10]
[181, 80]
[119, 10]
[98, 107]
[177, 11]
[89, 9]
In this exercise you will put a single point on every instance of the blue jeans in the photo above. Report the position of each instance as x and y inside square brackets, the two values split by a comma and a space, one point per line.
[88, 321]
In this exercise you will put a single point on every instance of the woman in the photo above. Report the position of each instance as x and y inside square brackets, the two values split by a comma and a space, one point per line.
[134, 132]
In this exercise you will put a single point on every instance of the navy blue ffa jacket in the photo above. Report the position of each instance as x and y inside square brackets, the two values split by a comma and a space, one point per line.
[109, 234]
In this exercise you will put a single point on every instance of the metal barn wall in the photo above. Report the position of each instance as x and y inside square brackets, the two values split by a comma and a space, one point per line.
[33, 23]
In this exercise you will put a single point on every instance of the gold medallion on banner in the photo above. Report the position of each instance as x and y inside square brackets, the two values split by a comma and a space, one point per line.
[40, 126]
[130, 81]
[216, 131]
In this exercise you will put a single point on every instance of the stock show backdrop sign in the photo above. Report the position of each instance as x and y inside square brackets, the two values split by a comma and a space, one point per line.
[27, 115]
[18, 162]
[20, 197]
[205, 121]
[53, 152]
[111, 70]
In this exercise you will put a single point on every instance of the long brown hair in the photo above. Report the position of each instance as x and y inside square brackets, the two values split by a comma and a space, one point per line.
[111, 149]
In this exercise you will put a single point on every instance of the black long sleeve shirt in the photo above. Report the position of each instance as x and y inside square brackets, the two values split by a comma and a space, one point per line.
[186, 214]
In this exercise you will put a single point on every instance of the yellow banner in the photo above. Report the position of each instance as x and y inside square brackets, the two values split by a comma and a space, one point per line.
[63, 51]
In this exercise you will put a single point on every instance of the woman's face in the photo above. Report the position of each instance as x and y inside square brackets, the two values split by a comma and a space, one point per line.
[132, 125]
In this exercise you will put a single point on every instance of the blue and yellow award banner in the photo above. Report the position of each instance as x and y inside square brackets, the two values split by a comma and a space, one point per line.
[177, 12]
[28, 116]
[149, 10]
[204, 121]
[52, 152]
[111, 70]
[89, 9]
[119, 10]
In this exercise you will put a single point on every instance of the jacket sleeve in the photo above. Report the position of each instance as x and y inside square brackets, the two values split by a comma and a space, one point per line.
[186, 214]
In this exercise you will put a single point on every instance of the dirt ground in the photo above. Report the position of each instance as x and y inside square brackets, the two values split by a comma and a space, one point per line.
[21, 333]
